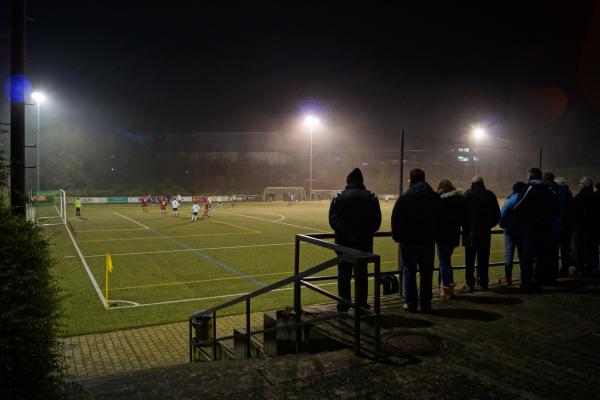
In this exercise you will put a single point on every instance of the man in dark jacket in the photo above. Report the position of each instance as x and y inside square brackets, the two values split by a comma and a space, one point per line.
[585, 216]
[537, 208]
[415, 225]
[565, 224]
[482, 214]
[355, 216]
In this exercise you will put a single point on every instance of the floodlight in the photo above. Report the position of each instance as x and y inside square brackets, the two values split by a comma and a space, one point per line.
[39, 97]
[311, 121]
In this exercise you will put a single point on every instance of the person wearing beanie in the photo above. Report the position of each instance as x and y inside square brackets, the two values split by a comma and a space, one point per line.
[451, 220]
[415, 220]
[481, 215]
[354, 215]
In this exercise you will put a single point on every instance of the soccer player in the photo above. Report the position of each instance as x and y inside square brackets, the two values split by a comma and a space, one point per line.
[144, 203]
[206, 208]
[195, 210]
[179, 200]
[219, 201]
[175, 205]
[78, 207]
[163, 206]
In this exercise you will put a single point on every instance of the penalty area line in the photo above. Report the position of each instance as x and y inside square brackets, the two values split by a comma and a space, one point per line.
[275, 222]
[134, 221]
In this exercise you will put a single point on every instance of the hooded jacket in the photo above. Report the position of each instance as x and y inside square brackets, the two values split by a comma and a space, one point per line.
[508, 218]
[537, 208]
[355, 215]
[416, 214]
[482, 214]
[586, 211]
[452, 217]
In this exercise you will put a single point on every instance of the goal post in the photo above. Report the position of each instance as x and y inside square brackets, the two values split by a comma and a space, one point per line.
[60, 203]
[284, 193]
[325, 194]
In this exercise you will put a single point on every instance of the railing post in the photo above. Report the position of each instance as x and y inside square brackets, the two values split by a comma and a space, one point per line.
[377, 305]
[297, 293]
[356, 310]
[248, 353]
[214, 335]
[190, 340]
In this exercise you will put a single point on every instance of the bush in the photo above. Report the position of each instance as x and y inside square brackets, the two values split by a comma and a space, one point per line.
[30, 359]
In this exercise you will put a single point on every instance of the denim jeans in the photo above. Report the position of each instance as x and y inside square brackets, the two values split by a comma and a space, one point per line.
[415, 257]
[511, 242]
[444, 252]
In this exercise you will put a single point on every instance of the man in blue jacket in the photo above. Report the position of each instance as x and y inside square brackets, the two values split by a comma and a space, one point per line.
[355, 216]
[513, 232]
[536, 208]
[415, 220]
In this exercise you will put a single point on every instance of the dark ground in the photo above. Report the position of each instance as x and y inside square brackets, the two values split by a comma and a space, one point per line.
[495, 345]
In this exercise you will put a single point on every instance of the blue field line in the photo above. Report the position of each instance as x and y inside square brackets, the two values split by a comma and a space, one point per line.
[210, 259]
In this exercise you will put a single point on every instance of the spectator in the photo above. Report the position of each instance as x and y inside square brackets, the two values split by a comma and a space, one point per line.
[513, 232]
[414, 225]
[482, 214]
[536, 208]
[565, 200]
[451, 220]
[355, 216]
[585, 215]
[551, 272]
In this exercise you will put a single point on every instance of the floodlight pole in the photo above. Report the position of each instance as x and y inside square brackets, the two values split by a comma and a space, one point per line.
[17, 110]
[37, 165]
[310, 182]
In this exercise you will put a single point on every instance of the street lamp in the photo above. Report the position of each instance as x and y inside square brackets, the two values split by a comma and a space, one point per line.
[311, 122]
[478, 133]
[39, 98]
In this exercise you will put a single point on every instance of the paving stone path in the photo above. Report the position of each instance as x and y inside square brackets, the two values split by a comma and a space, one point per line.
[499, 344]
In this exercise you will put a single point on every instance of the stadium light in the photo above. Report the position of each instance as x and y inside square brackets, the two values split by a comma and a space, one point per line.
[39, 99]
[478, 133]
[311, 122]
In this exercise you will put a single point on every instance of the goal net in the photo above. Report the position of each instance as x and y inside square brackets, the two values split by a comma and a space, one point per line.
[325, 194]
[284, 193]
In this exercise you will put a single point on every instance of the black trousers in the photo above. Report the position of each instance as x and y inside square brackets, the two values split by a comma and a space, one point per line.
[481, 252]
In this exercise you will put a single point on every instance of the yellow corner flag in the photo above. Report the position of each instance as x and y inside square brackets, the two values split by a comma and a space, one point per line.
[109, 268]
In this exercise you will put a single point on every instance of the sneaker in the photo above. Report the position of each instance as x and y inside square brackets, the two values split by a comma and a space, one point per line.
[505, 280]
[468, 289]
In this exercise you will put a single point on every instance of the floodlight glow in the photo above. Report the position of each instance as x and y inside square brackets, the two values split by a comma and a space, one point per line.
[311, 121]
[478, 133]
[39, 97]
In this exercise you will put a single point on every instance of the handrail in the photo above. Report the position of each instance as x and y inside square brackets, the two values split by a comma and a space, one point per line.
[362, 256]
[344, 254]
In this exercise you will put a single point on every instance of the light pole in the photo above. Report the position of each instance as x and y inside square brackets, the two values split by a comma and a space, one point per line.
[39, 98]
[311, 122]
[478, 134]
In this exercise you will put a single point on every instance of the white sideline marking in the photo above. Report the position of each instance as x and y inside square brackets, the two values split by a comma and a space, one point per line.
[165, 237]
[135, 222]
[57, 216]
[212, 297]
[87, 268]
[110, 230]
[57, 223]
[183, 250]
[275, 222]
[281, 217]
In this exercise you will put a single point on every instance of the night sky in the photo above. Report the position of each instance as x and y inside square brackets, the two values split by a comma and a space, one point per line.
[530, 71]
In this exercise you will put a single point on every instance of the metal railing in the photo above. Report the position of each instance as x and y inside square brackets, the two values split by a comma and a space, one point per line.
[300, 279]
[344, 254]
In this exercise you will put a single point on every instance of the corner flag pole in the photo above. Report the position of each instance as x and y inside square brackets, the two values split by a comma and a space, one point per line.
[109, 268]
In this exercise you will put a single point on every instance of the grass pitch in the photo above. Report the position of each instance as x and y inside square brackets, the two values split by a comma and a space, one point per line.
[166, 268]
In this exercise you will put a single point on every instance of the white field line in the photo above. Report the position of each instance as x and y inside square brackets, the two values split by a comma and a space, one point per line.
[184, 250]
[165, 237]
[275, 222]
[110, 230]
[135, 222]
[281, 217]
[211, 297]
[57, 223]
[57, 216]
[87, 268]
